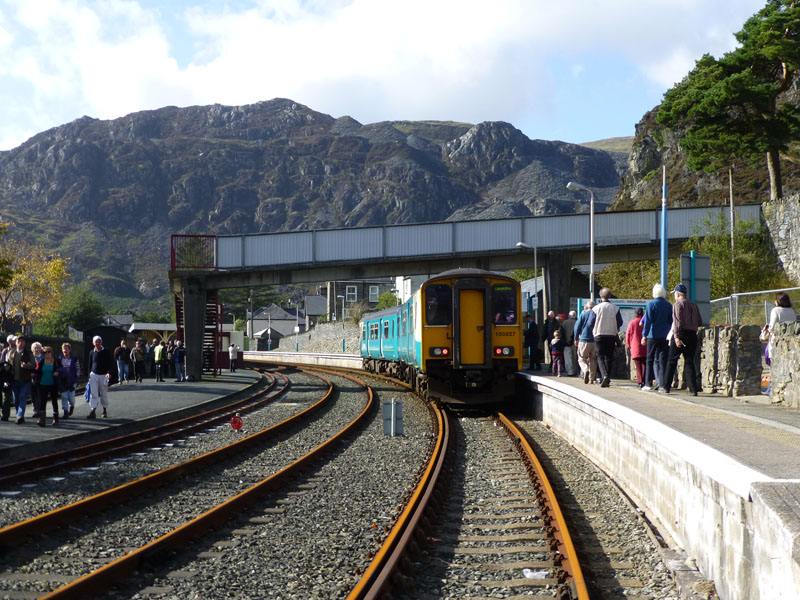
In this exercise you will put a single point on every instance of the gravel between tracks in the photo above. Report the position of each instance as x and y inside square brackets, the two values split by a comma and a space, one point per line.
[306, 543]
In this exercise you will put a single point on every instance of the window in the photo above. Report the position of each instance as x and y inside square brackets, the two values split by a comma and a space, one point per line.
[386, 330]
[363, 332]
[504, 304]
[439, 304]
[373, 293]
[351, 293]
[403, 322]
[373, 331]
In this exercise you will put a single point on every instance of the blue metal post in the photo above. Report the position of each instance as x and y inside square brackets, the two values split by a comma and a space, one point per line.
[664, 230]
[691, 275]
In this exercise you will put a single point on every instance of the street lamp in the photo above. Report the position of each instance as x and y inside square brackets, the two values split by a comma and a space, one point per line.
[535, 274]
[577, 187]
[334, 308]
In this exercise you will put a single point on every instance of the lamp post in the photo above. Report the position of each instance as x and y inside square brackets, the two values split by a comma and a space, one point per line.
[535, 275]
[342, 297]
[577, 187]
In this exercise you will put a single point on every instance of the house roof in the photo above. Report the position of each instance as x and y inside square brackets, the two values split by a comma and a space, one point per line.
[135, 326]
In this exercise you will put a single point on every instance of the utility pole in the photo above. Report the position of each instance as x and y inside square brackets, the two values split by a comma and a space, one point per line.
[733, 226]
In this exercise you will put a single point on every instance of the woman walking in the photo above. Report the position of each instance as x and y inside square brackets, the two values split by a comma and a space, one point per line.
[637, 345]
[45, 377]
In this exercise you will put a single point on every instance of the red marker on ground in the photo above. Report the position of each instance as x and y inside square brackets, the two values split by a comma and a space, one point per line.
[236, 422]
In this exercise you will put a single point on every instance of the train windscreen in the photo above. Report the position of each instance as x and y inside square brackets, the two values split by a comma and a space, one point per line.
[439, 304]
[504, 304]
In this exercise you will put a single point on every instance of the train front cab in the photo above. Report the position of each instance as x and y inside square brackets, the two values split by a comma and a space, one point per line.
[472, 338]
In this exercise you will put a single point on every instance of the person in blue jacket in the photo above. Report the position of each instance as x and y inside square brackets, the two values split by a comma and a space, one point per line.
[656, 322]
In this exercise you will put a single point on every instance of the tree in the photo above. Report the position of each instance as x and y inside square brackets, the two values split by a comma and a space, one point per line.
[79, 309]
[6, 270]
[755, 265]
[386, 300]
[636, 279]
[36, 286]
[154, 317]
[731, 108]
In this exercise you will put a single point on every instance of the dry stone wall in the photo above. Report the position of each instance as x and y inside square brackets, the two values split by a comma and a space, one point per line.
[785, 368]
[782, 218]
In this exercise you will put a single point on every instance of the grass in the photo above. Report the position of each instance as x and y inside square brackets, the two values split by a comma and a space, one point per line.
[616, 144]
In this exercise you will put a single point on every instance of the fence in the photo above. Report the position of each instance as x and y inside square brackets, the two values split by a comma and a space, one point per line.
[193, 252]
[748, 308]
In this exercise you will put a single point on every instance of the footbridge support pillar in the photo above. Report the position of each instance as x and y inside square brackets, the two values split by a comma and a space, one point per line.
[195, 298]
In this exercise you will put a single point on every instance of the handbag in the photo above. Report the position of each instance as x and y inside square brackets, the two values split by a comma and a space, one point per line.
[764, 336]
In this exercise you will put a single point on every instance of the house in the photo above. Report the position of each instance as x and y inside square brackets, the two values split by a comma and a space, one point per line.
[343, 296]
[275, 320]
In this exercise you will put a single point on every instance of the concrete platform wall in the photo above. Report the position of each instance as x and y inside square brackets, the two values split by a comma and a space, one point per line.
[347, 361]
[728, 517]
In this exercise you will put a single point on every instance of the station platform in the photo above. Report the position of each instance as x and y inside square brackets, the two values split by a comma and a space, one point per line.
[129, 405]
[719, 475]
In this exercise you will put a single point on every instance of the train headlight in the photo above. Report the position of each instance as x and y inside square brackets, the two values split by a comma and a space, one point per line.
[504, 351]
[440, 352]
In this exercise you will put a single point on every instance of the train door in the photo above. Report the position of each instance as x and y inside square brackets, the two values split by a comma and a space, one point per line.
[472, 344]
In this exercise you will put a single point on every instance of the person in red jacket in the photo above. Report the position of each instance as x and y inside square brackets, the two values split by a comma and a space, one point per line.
[637, 345]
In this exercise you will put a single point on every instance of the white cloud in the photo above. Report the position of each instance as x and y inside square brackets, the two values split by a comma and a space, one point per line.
[390, 59]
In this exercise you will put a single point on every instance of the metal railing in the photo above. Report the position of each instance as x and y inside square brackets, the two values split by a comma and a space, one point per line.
[193, 252]
[748, 307]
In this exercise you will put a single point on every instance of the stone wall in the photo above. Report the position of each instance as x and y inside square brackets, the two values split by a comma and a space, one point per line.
[729, 360]
[782, 218]
[785, 369]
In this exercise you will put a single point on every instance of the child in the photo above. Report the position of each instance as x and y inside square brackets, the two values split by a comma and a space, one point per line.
[557, 352]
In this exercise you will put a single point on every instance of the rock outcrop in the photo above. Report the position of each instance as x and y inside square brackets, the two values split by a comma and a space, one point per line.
[109, 193]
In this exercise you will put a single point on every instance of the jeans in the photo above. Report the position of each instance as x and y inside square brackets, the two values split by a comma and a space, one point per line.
[67, 400]
[122, 367]
[656, 367]
[99, 391]
[22, 391]
[181, 371]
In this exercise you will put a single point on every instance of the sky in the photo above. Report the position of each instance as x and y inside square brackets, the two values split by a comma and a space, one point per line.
[574, 70]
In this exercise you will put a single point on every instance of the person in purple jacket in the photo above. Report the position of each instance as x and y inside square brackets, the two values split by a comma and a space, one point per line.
[68, 370]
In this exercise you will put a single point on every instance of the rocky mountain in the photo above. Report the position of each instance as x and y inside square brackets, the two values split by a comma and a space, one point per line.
[654, 147]
[108, 194]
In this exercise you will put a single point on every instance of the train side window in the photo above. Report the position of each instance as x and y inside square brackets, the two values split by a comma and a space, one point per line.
[404, 322]
[363, 332]
[373, 331]
[386, 330]
[504, 304]
[439, 304]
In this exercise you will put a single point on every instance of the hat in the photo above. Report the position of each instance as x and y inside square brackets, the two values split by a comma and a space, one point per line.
[680, 288]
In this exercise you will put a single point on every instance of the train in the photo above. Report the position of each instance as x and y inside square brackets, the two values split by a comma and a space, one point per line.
[457, 340]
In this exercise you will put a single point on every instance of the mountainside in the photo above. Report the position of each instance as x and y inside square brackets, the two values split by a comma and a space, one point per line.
[108, 194]
[654, 147]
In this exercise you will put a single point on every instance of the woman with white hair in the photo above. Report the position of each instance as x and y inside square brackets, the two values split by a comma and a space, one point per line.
[656, 324]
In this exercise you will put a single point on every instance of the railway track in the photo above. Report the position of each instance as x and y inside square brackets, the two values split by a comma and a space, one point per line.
[169, 507]
[93, 452]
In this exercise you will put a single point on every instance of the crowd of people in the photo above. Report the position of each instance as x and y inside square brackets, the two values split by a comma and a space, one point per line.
[656, 338]
[41, 376]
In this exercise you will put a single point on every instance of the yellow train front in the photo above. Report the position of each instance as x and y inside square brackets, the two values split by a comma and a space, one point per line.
[470, 336]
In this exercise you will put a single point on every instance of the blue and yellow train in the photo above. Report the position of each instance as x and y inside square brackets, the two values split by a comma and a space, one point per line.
[458, 339]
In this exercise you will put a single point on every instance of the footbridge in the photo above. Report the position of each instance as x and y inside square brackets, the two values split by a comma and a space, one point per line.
[201, 265]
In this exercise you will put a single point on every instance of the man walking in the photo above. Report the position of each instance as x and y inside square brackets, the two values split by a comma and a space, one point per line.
[685, 321]
[587, 355]
[607, 321]
[122, 356]
[655, 327]
[100, 365]
[23, 364]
